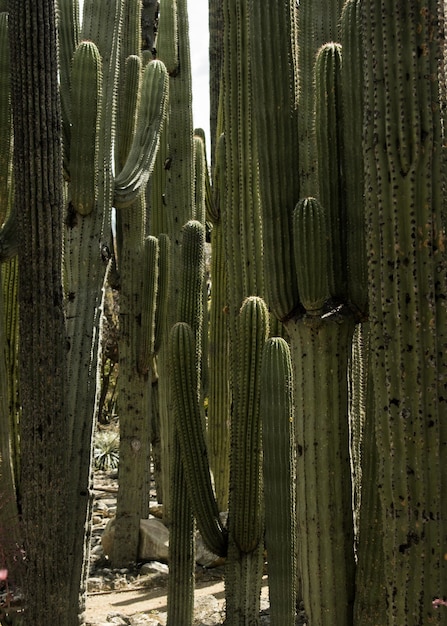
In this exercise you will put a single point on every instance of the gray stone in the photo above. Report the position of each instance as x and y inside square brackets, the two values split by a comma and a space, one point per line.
[154, 567]
[206, 611]
[140, 619]
[153, 544]
[94, 584]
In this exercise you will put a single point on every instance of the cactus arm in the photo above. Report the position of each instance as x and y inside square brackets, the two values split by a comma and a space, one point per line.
[277, 412]
[275, 120]
[311, 254]
[246, 475]
[86, 105]
[331, 160]
[317, 24]
[168, 37]
[150, 263]
[200, 179]
[189, 310]
[129, 97]
[140, 161]
[246, 509]
[162, 290]
[191, 437]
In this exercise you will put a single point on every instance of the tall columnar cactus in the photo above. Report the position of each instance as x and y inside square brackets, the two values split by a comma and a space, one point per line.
[186, 469]
[246, 508]
[405, 195]
[133, 385]
[321, 346]
[277, 412]
[241, 209]
[177, 202]
[317, 24]
[9, 437]
[219, 387]
[307, 285]
[45, 493]
[88, 242]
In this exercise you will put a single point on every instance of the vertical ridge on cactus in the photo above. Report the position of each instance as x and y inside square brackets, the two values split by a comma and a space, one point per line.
[405, 166]
[352, 94]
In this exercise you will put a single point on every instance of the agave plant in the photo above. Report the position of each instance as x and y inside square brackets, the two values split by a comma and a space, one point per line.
[106, 450]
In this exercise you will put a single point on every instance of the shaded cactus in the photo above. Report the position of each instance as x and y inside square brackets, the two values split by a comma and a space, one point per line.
[246, 509]
[277, 411]
[329, 120]
[86, 86]
[181, 545]
[191, 437]
[311, 254]
[405, 209]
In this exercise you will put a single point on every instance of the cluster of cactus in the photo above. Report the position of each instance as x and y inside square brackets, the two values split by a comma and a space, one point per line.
[328, 227]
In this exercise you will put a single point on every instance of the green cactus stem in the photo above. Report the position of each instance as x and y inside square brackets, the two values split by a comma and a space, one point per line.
[152, 111]
[331, 160]
[352, 95]
[405, 209]
[150, 264]
[321, 349]
[189, 310]
[86, 105]
[191, 437]
[218, 354]
[311, 254]
[246, 509]
[276, 123]
[45, 427]
[318, 23]
[277, 411]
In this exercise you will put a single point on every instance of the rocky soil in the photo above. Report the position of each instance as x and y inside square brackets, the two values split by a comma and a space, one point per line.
[136, 596]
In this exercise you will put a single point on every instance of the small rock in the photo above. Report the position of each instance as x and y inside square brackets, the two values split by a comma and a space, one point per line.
[140, 619]
[94, 584]
[206, 611]
[118, 619]
[100, 506]
[154, 567]
[154, 540]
